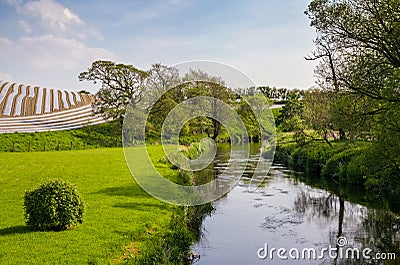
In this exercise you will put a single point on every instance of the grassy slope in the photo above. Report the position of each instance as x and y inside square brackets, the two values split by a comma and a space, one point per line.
[103, 135]
[118, 210]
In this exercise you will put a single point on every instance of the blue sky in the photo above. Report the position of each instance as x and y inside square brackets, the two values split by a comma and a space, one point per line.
[49, 42]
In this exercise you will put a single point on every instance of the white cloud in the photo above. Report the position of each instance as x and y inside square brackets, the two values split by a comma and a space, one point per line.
[51, 17]
[5, 42]
[5, 77]
[52, 14]
[25, 26]
[5, 45]
[52, 52]
[15, 3]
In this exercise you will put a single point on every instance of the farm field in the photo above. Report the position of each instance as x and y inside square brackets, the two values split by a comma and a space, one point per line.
[120, 219]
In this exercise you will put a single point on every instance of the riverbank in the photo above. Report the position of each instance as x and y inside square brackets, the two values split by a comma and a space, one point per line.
[123, 223]
[345, 163]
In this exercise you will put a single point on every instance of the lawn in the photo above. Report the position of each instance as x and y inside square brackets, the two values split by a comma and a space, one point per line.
[120, 218]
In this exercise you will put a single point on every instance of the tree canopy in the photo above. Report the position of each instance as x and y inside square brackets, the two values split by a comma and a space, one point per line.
[358, 42]
[120, 85]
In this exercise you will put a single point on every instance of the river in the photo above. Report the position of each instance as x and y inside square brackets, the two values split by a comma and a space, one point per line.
[310, 225]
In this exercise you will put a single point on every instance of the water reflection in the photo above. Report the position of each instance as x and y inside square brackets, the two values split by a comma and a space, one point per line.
[287, 213]
[377, 229]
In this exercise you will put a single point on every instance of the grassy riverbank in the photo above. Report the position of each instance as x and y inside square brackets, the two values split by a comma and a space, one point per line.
[122, 221]
[345, 162]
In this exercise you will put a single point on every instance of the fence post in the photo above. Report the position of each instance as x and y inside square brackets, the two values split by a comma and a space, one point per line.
[29, 146]
[44, 149]
[70, 148]
[13, 146]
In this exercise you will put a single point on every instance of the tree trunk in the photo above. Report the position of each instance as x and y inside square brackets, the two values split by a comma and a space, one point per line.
[342, 134]
[216, 129]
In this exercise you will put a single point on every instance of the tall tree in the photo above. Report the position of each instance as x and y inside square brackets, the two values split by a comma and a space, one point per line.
[200, 83]
[120, 85]
[161, 79]
[359, 44]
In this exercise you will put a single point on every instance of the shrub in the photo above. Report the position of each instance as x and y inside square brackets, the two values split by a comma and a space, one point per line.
[346, 166]
[55, 205]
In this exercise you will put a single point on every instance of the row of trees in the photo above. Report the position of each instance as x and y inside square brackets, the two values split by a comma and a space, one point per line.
[123, 84]
[277, 95]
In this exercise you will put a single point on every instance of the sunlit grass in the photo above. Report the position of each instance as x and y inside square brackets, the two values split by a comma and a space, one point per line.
[118, 213]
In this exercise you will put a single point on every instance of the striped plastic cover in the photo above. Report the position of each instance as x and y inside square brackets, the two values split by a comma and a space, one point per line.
[33, 109]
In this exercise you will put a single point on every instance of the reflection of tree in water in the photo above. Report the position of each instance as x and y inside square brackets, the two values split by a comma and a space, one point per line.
[378, 230]
[326, 207]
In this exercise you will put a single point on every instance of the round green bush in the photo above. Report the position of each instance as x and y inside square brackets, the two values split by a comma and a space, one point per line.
[54, 205]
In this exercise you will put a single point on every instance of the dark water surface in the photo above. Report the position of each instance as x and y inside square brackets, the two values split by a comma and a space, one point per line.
[287, 213]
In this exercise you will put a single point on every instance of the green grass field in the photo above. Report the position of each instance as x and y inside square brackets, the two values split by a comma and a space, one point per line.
[89, 137]
[120, 220]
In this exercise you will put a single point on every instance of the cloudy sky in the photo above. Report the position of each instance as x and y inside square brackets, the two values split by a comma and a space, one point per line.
[49, 42]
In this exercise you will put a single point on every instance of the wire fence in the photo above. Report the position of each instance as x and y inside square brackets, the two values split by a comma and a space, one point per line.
[35, 146]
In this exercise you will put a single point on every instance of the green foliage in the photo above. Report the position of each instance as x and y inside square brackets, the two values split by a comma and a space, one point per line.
[290, 117]
[54, 205]
[311, 158]
[373, 184]
[278, 95]
[355, 171]
[207, 86]
[276, 112]
[102, 135]
[345, 166]
[195, 216]
[357, 46]
[357, 163]
[120, 85]
[178, 240]
[317, 158]
[170, 247]
[249, 119]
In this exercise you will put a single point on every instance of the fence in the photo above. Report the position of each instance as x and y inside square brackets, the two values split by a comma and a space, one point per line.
[34, 146]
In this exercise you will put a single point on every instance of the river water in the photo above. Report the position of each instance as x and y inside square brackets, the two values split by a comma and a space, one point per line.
[286, 213]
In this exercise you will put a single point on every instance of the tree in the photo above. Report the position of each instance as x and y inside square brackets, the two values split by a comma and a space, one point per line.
[161, 79]
[199, 83]
[317, 112]
[359, 51]
[120, 85]
[358, 44]
[290, 118]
